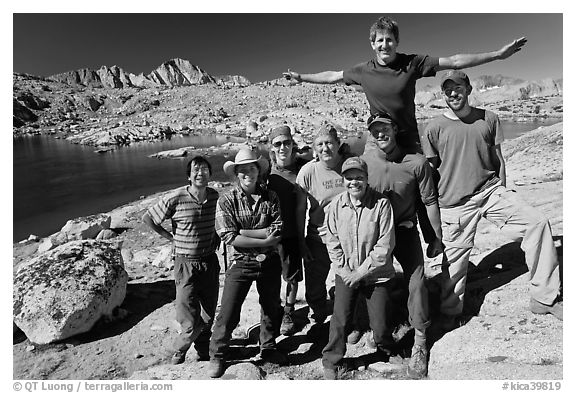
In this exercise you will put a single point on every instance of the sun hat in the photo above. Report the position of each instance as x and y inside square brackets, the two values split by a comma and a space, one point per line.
[245, 156]
[355, 163]
[381, 118]
[282, 130]
[456, 76]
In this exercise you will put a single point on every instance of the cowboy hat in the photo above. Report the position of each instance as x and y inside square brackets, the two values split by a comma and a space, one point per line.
[245, 156]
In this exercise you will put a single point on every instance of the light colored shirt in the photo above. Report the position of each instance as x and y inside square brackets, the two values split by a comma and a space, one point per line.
[322, 184]
[361, 238]
[468, 161]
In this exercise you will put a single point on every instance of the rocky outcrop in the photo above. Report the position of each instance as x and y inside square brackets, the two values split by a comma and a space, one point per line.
[179, 72]
[65, 291]
[81, 228]
[232, 80]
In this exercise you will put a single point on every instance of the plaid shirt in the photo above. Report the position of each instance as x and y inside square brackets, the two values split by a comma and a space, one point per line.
[233, 213]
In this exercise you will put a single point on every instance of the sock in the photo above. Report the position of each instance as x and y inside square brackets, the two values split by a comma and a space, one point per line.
[420, 337]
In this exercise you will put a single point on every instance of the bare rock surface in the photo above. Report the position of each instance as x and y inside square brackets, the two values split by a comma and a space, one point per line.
[65, 291]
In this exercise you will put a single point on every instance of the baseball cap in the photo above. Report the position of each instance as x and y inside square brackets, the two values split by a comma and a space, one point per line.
[456, 76]
[355, 163]
[381, 118]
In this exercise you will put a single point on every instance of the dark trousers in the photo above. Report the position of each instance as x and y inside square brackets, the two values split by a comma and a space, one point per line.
[197, 286]
[315, 273]
[408, 252]
[378, 305]
[239, 278]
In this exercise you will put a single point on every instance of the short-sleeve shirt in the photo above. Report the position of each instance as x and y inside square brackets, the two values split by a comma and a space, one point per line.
[468, 162]
[322, 184]
[404, 181]
[283, 182]
[234, 213]
[392, 88]
[192, 221]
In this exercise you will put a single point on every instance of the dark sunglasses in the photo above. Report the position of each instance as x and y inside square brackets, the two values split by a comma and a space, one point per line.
[286, 143]
[357, 178]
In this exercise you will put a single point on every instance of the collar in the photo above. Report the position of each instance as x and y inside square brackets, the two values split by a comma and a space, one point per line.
[397, 155]
[346, 201]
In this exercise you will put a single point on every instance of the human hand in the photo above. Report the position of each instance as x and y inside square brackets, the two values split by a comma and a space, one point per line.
[291, 75]
[273, 239]
[435, 248]
[352, 279]
[511, 48]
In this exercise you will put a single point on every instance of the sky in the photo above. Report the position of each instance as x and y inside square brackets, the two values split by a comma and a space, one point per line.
[262, 46]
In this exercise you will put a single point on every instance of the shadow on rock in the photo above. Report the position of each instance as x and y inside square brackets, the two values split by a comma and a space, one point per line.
[140, 301]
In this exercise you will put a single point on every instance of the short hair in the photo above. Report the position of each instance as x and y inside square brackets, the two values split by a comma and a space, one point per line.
[198, 160]
[385, 23]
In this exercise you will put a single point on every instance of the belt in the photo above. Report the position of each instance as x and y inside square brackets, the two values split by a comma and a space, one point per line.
[406, 224]
[194, 257]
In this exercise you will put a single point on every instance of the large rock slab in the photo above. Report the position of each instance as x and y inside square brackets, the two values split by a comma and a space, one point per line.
[64, 291]
[504, 341]
[86, 227]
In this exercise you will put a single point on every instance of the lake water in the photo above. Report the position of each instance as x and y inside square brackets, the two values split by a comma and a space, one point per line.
[55, 180]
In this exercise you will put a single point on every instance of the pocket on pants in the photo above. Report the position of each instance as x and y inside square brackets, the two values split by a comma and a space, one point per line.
[451, 225]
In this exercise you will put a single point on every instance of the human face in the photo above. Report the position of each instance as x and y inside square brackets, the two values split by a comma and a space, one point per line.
[456, 95]
[385, 135]
[199, 175]
[384, 46]
[282, 147]
[327, 149]
[355, 182]
[247, 176]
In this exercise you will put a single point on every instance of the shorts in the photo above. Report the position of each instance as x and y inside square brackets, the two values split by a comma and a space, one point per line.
[292, 270]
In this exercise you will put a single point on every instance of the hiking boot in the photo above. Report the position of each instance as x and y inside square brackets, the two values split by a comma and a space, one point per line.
[555, 309]
[288, 327]
[418, 365]
[274, 356]
[216, 368]
[354, 336]
[178, 357]
[330, 374]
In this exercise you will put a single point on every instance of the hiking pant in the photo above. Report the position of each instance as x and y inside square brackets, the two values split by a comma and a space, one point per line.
[239, 278]
[408, 252]
[315, 273]
[516, 220]
[377, 302]
[197, 285]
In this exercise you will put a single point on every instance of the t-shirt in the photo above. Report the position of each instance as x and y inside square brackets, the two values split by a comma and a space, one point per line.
[465, 147]
[322, 185]
[392, 88]
[283, 182]
[404, 180]
[192, 222]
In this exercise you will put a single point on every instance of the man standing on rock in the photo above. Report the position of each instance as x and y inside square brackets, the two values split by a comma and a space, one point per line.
[407, 179]
[464, 144]
[192, 211]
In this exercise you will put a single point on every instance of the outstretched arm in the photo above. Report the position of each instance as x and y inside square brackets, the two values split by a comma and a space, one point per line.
[471, 60]
[320, 77]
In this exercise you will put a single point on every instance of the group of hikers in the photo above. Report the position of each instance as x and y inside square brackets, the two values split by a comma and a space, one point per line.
[300, 219]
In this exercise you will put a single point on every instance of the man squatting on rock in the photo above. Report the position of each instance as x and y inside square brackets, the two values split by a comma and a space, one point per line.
[192, 211]
[389, 83]
[464, 144]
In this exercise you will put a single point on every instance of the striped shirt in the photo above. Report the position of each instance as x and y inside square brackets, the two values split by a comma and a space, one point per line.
[234, 213]
[192, 221]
